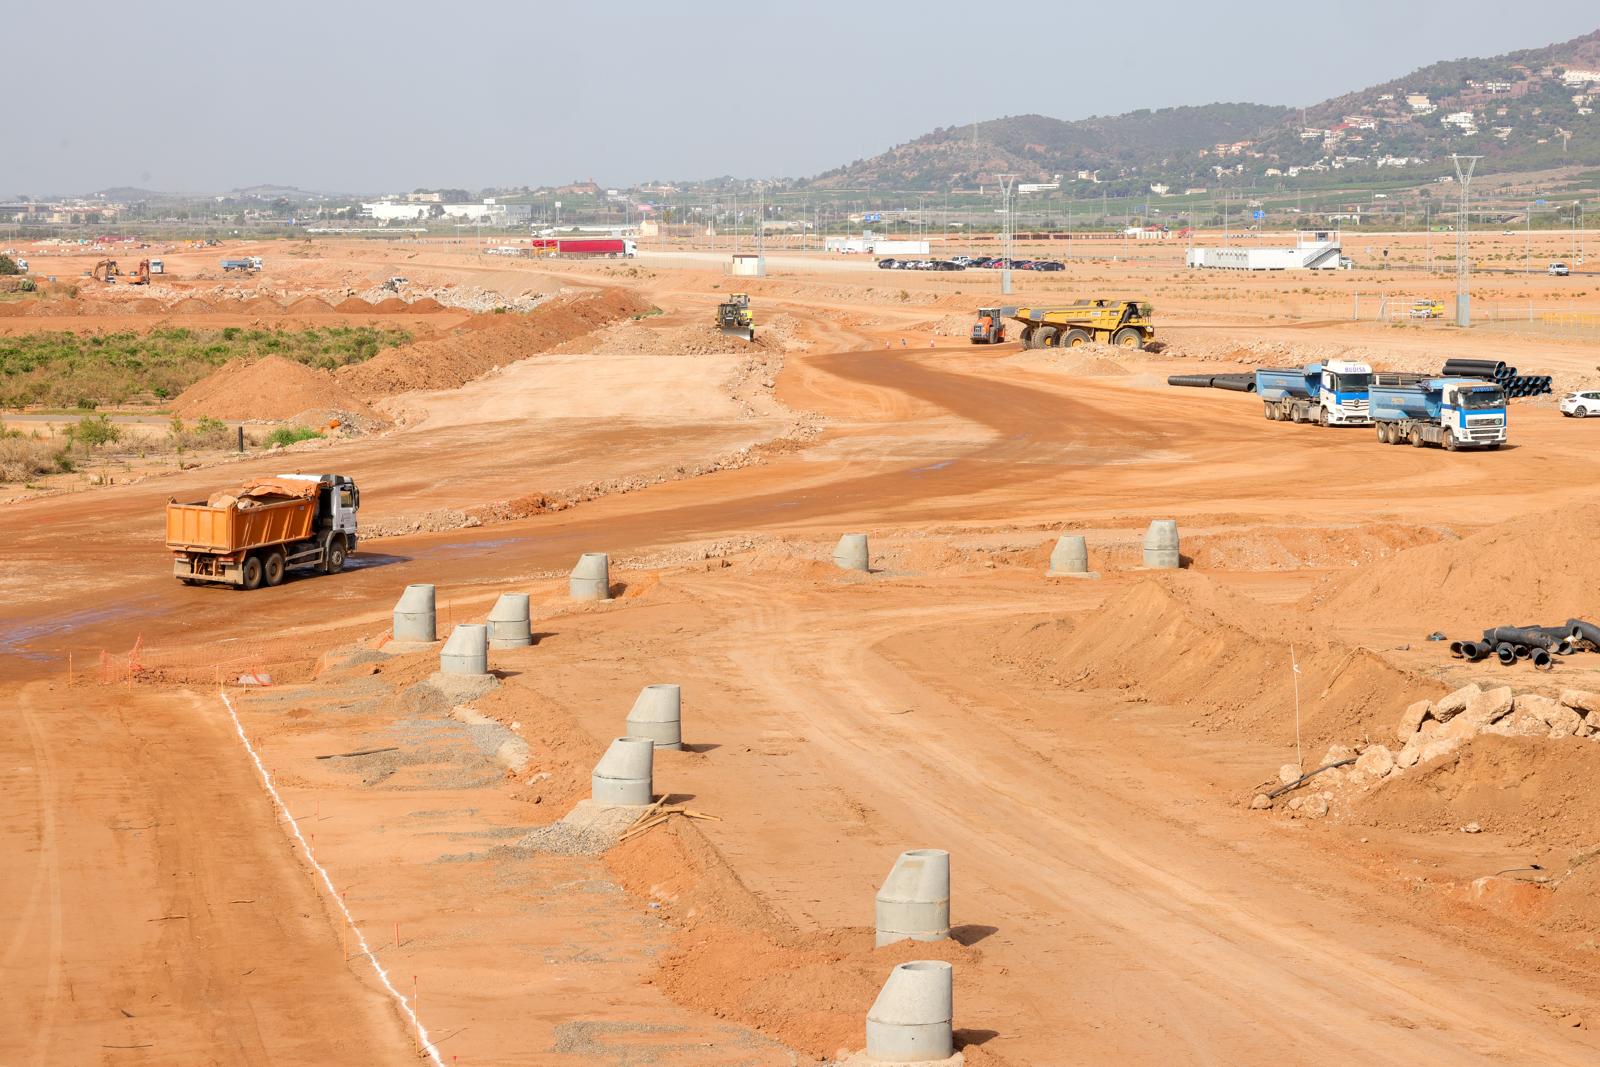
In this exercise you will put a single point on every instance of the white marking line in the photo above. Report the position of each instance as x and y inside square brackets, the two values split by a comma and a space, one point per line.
[366, 950]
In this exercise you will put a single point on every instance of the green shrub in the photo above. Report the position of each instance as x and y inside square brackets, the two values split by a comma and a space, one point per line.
[291, 435]
[22, 458]
[94, 431]
[9, 266]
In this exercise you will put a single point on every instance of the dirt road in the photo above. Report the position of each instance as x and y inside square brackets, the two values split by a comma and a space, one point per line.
[1115, 901]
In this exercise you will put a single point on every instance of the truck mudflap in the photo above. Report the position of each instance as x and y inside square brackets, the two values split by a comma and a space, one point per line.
[206, 569]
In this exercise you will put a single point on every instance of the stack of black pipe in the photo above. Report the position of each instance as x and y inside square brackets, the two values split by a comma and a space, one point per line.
[1495, 370]
[1237, 383]
[1537, 644]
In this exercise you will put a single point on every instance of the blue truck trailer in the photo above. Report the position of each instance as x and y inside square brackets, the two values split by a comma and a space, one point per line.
[1451, 413]
[1329, 394]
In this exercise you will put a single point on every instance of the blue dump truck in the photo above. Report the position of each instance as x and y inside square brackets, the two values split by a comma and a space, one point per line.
[1329, 394]
[1452, 413]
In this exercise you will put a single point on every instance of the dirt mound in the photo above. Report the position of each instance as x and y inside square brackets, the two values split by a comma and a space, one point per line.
[309, 305]
[1532, 569]
[352, 306]
[1532, 788]
[267, 388]
[426, 306]
[13, 308]
[192, 306]
[262, 305]
[390, 306]
[1088, 361]
[492, 341]
[1182, 641]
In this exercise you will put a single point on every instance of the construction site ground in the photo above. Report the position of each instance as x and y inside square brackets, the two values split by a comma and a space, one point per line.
[1087, 750]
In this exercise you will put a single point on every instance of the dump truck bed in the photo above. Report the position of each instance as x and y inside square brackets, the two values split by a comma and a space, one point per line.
[279, 513]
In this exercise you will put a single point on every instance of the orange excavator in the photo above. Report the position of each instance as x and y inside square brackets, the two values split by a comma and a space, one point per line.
[141, 274]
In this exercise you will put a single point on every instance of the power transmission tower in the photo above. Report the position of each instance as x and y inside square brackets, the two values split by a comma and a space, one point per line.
[1463, 268]
[1005, 230]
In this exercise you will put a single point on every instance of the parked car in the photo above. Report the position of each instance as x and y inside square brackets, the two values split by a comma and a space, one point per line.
[945, 264]
[965, 261]
[1581, 405]
[982, 261]
[1049, 264]
[1022, 264]
[1559, 270]
[888, 264]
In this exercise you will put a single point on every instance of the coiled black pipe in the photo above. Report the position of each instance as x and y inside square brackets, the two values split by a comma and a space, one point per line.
[1507, 654]
[1541, 660]
[1520, 635]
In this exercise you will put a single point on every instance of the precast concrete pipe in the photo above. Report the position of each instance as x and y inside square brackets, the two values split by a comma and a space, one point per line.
[910, 1020]
[591, 578]
[467, 651]
[851, 552]
[658, 715]
[509, 625]
[624, 774]
[414, 617]
[1070, 556]
[1161, 545]
[914, 901]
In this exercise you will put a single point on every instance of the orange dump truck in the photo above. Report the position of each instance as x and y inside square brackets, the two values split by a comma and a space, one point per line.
[253, 537]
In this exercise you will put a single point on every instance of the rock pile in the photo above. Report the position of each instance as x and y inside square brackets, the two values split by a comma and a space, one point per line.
[1431, 730]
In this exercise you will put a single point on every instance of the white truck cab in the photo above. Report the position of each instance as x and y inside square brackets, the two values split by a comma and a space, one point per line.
[1343, 394]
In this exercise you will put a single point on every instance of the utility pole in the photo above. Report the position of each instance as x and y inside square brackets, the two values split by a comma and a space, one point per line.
[1005, 230]
[761, 229]
[1463, 269]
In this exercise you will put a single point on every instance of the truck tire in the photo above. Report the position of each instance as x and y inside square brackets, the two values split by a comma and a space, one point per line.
[1076, 338]
[1128, 337]
[1383, 434]
[251, 572]
[274, 567]
[1322, 416]
[1416, 437]
[1268, 414]
[1027, 337]
[1449, 440]
[1047, 337]
[334, 557]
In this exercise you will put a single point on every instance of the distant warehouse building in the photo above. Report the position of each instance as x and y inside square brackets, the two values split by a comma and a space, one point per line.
[1315, 250]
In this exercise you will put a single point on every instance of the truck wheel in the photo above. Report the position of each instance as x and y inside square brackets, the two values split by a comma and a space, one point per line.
[274, 567]
[1383, 434]
[1027, 337]
[1076, 338]
[335, 555]
[1416, 438]
[251, 572]
[1047, 337]
[1127, 337]
[1268, 413]
[1449, 440]
[1322, 416]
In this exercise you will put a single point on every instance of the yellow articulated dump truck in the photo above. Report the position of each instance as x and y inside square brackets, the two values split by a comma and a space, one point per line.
[1124, 323]
[254, 536]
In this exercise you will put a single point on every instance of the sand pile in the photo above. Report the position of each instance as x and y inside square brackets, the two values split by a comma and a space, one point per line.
[353, 306]
[1182, 641]
[1532, 569]
[267, 388]
[309, 305]
[1087, 361]
[492, 341]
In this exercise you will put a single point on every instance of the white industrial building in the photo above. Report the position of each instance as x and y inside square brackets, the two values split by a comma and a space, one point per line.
[1313, 250]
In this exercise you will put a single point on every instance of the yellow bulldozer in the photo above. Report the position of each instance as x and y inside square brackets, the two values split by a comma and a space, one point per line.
[734, 317]
[1124, 323]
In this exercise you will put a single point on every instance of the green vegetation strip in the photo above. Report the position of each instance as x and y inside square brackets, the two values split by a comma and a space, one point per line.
[84, 371]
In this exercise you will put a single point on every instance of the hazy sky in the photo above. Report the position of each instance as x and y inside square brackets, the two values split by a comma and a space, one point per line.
[369, 97]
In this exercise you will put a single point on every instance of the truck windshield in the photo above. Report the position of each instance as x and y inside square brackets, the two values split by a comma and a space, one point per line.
[1479, 399]
[1350, 383]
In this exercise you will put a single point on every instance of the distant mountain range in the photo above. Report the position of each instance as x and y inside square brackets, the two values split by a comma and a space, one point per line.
[1527, 110]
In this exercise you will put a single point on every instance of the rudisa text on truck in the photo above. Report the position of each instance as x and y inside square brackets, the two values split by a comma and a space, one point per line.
[1329, 394]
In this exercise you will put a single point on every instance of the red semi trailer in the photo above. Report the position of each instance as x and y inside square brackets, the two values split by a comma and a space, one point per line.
[584, 246]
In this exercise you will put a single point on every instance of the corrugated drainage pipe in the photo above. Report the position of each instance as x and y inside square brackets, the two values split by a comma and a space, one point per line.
[1541, 659]
[1507, 654]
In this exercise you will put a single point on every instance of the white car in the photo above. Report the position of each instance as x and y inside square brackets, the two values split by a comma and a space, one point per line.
[1559, 270]
[1581, 405]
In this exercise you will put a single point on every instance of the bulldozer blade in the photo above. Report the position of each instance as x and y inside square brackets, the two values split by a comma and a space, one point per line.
[740, 331]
